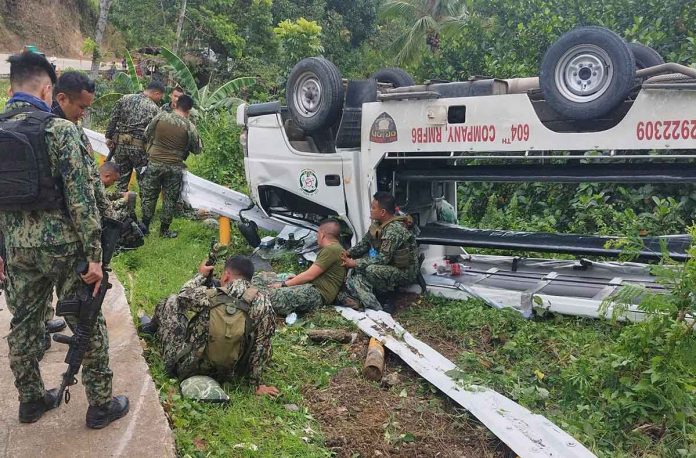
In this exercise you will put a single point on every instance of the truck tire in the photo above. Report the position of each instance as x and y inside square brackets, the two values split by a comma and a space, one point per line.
[645, 56]
[587, 73]
[395, 76]
[314, 94]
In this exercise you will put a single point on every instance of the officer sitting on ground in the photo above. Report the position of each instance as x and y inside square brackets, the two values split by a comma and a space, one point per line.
[385, 258]
[230, 332]
[317, 285]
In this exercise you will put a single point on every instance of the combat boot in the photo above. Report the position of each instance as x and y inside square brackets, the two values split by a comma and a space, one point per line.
[101, 417]
[55, 325]
[29, 412]
[148, 325]
[145, 226]
[166, 233]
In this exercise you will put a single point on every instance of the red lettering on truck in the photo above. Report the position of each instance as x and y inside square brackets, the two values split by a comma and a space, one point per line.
[669, 129]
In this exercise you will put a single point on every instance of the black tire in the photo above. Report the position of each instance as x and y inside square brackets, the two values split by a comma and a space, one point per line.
[314, 94]
[645, 56]
[587, 73]
[395, 76]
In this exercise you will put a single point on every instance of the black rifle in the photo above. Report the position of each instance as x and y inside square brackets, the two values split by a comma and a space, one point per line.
[86, 308]
[112, 150]
[211, 261]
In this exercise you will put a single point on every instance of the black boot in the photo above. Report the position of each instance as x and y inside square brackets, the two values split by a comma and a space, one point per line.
[55, 325]
[166, 233]
[101, 417]
[148, 325]
[29, 412]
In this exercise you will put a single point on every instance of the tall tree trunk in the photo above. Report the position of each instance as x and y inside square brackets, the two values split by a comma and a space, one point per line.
[104, 6]
[180, 26]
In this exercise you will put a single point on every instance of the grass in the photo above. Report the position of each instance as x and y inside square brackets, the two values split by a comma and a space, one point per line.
[543, 365]
[249, 425]
[530, 361]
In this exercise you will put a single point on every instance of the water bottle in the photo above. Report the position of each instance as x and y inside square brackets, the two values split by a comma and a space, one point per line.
[290, 319]
[372, 253]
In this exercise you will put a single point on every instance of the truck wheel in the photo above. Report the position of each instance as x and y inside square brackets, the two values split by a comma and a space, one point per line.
[645, 56]
[314, 94]
[587, 73]
[395, 76]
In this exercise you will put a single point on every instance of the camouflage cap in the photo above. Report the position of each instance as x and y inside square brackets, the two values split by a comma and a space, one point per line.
[203, 388]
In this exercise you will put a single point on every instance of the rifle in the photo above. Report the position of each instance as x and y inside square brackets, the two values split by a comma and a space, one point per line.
[213, 255]
[86, 308]
[112, 150]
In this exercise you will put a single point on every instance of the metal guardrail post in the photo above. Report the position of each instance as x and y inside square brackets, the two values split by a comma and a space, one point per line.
[224, 230]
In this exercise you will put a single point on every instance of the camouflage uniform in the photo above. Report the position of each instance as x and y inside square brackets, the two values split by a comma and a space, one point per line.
[394, 263]
[165, 171]
[126, 128]
[184, 340]
[43, 249]
[300, 298]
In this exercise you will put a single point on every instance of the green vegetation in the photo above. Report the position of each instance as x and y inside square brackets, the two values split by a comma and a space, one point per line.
[622, 389]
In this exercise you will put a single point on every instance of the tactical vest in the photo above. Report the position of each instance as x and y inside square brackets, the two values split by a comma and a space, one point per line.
[229, 330]
[26, 182]
[402, 258]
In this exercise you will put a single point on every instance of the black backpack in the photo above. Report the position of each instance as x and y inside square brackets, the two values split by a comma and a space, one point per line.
[26, 182]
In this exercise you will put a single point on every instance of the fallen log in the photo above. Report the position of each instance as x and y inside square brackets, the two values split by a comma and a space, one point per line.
[374, 362]
[331, 335]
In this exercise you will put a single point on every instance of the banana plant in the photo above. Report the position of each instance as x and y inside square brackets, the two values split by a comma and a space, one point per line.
[205, 99]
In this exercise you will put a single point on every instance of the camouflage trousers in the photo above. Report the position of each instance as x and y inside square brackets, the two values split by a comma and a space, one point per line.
[300, 299]
[165, 178]
[32, 273]
[363, 283]
[183, 341]
[128, 158]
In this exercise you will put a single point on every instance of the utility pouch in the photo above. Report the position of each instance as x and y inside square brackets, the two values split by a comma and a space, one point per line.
[68, 307]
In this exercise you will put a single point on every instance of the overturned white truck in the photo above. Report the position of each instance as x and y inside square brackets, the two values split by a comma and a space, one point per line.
[338, 142]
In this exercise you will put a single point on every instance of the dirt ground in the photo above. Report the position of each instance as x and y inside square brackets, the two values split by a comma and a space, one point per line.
[361, 418]
[58, 33]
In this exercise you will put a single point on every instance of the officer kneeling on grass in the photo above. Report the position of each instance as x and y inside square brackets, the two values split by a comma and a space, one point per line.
[230, 332]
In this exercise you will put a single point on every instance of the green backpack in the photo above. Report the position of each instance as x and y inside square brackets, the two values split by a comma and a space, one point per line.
[229, 330]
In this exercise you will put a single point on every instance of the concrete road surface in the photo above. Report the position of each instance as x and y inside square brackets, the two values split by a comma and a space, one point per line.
[61, 64]
[61, 432]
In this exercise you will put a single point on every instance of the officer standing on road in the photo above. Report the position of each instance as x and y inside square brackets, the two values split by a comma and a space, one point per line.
[126, 130]
[385, 258]
[171, 137]
[46, 238]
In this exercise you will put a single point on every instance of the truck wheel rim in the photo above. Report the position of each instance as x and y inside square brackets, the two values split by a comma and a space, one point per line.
[307, 95]
[584, 73]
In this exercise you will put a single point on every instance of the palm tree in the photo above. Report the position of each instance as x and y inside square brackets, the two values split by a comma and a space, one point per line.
[429, 19]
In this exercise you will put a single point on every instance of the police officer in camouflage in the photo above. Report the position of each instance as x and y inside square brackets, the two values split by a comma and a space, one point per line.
[191, 347]
[171, 137]
[319, 285]
[173, 97]
[126, 130]
[385, 258]
[46, 238]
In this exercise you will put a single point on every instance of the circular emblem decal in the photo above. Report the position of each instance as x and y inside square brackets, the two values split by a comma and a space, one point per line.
[309, 183]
